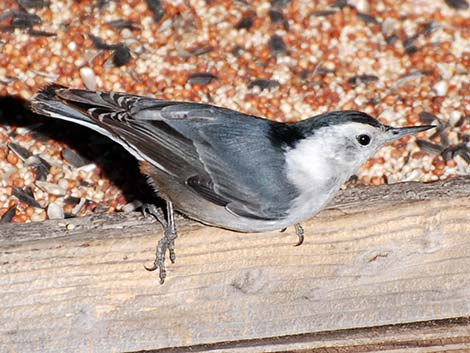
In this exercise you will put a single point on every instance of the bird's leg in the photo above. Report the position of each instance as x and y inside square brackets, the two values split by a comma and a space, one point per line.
[300, 233]
[167, 242]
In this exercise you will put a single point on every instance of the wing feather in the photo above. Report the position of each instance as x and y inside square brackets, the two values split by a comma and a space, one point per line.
[224, 156]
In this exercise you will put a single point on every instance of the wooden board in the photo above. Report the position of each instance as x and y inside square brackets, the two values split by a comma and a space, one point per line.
[379, 259]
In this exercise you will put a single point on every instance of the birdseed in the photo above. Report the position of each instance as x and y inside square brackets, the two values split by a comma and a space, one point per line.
[404, 62]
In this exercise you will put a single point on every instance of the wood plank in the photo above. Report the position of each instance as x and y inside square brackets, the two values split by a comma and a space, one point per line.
[451, 335]
[399, 255]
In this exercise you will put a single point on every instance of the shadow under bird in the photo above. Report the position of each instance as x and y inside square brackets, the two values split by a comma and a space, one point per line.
[224, 168]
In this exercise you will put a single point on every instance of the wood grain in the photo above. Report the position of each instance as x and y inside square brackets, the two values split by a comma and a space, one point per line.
[381, 256]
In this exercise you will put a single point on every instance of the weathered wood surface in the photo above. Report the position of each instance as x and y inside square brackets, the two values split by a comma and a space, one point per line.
[382, 256]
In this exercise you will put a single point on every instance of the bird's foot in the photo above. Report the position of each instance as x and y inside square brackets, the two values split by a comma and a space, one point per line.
[300, 233]
[167, 242]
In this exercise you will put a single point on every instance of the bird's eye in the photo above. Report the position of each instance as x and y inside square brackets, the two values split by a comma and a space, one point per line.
[363, 139]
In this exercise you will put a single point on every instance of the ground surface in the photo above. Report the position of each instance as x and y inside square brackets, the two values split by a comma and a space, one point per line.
[404, 62]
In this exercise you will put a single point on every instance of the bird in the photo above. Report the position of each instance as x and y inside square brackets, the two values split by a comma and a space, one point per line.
[225, 168]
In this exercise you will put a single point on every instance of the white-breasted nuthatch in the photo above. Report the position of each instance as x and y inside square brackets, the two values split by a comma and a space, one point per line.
[224, 168]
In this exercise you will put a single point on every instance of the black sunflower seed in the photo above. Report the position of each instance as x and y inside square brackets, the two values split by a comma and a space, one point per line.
[157, 9]
[8, 215]
[20, 151]
[368, 18]
[358, 79]
[263, 84]
[457, 4]
[245, 23]
[32, 4]
[121, 55]
[429, 147]
[276, 45]
[73, 158]
[427, 117]
[26, 195]
[202, 78]
[121, 24]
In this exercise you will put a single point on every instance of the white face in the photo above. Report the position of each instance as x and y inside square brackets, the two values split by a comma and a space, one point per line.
[350, 145]
[332, 154]
[321, 163]
[318, 165]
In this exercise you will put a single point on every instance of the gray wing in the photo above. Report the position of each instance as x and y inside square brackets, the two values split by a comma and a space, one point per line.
[222, 155]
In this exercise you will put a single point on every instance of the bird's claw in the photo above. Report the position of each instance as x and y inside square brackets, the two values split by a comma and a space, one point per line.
[167, 242]
[300, 233]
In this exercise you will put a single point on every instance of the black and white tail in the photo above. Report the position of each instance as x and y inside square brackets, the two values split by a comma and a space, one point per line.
[86, 108]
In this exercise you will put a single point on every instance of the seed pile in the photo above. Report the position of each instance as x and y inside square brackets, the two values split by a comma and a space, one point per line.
[404, 62]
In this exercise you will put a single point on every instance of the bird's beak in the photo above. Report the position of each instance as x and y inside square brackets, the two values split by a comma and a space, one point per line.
[396, 133]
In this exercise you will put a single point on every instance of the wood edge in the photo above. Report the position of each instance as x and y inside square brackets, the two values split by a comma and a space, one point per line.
[354, 200]
[379, 338]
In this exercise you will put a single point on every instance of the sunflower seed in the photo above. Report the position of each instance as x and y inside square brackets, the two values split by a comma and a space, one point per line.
[121, 55]
[237, 51]
[157, 9]
[99, 43]
[73, 158]
[277, 17]
[32, 4]
[20, 18]
[457, 4]
[276, 45]
[71, 200]
[41, 166]
[78, 207]
[8, 215]
[263, 84]
[356, 80]
[88, 78]
[279, 4]
[323, 13]
[37, 33]
[26, 195]
[429, 147]
[245, 23]
[368, 18]
[428, 118]
[20, 151]
[201, 78]
[50, 188]
[121, 24]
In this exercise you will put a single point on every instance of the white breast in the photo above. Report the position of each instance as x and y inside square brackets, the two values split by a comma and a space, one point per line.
[310, 169]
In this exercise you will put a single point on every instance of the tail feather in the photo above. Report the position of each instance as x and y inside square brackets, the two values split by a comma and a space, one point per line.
[59, 102]
[48, 102]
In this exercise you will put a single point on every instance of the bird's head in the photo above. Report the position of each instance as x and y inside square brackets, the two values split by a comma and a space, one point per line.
[342, 141]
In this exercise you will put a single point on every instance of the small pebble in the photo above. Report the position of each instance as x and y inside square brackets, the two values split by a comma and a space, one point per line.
[55, 211]
[131, 206]
[78, 207]
[50, 188]
[70, 226]
[88, 77]
[454, 117]
[440, 88]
